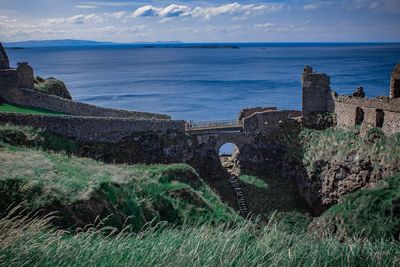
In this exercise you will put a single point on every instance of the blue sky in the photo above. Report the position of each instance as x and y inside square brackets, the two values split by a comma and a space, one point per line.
[201, 21]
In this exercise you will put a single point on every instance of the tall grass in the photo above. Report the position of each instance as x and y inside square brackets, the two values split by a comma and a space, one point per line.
[30, 242]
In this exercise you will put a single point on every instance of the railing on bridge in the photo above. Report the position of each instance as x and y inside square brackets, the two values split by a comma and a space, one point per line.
[204, 125]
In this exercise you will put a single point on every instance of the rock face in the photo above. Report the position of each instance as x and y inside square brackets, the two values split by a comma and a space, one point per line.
[52, 86]
[328, 170]
[4, 62]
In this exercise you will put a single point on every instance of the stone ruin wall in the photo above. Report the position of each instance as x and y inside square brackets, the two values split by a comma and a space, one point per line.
[317, 97]
[4, 62]
[268, 121]
[25, 76]
[345, 108]
[395, 83]
[92, 129]
[249, 111]
[315, 90]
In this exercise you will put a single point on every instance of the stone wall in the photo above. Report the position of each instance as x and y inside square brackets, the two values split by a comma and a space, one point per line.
[248, 111]
[8, 78]
[346, 113]
[32, 98]
[92, 129]
[267, 121]
[382, 112]
[395, 83]
[4, 62]
[25, 76]
[316, 89]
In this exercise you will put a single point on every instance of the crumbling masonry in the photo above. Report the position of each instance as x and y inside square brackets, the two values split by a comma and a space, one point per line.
[356, 110]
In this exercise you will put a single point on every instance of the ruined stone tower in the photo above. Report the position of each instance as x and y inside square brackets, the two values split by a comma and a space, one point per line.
[395, 83]
[316, 87]
[25, 76]
[4, 62]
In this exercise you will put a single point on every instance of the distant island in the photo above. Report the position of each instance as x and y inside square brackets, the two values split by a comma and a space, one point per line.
[73, 42]
[78, 43]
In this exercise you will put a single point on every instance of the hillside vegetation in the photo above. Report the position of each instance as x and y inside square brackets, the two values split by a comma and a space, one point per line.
[82, 189]
[165, 215]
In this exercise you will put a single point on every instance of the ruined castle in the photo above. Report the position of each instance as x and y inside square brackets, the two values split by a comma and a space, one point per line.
[122, 136]
[356, 110]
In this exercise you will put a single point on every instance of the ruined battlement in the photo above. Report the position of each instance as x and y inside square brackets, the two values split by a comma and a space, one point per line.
[355, 110]
[316, 88]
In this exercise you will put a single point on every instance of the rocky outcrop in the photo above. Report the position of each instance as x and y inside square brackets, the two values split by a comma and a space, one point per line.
[327, 170]
[52, 86]
[4, 62]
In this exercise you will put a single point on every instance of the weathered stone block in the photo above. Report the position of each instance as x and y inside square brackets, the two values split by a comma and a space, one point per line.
[25, 76]
[316, 88]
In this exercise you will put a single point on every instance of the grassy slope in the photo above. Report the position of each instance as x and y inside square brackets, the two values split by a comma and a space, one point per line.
[28, 110]
[81, 187]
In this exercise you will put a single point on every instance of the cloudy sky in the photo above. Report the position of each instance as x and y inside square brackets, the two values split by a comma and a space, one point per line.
[201, 21]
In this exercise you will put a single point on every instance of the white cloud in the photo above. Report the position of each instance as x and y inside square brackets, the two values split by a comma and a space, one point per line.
[274, 27]
[387, 6]
[233, 9]
[174, 11]
[146, 11]
[85, 6]
[311, 6]
[84, 18]
[265, 25]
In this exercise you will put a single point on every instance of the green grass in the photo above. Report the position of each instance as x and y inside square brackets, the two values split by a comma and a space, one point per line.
[83, 188]
[253, 180]
[25, 242]
[27, 110]
[36, 138]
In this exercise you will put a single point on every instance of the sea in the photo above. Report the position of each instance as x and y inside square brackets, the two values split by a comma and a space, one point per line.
[199, 82]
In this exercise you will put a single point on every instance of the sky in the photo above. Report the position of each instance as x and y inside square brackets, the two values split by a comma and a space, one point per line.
[201, 21]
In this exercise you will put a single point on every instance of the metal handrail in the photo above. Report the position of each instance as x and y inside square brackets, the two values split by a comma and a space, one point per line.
[213, 124]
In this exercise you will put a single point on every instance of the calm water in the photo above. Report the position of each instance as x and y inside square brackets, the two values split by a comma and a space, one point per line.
[209, 84]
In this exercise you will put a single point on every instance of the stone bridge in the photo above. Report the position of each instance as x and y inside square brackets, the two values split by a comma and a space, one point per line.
[239, 132]
[251, 135]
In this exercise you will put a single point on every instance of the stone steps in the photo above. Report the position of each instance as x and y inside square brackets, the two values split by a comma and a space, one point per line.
[240, 196]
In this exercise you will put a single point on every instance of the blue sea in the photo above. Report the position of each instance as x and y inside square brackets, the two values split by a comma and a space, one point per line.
[202, 84]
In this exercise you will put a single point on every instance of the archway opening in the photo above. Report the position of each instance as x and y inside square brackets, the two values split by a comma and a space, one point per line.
[380, 117]
[229, 157]
[359, 116]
